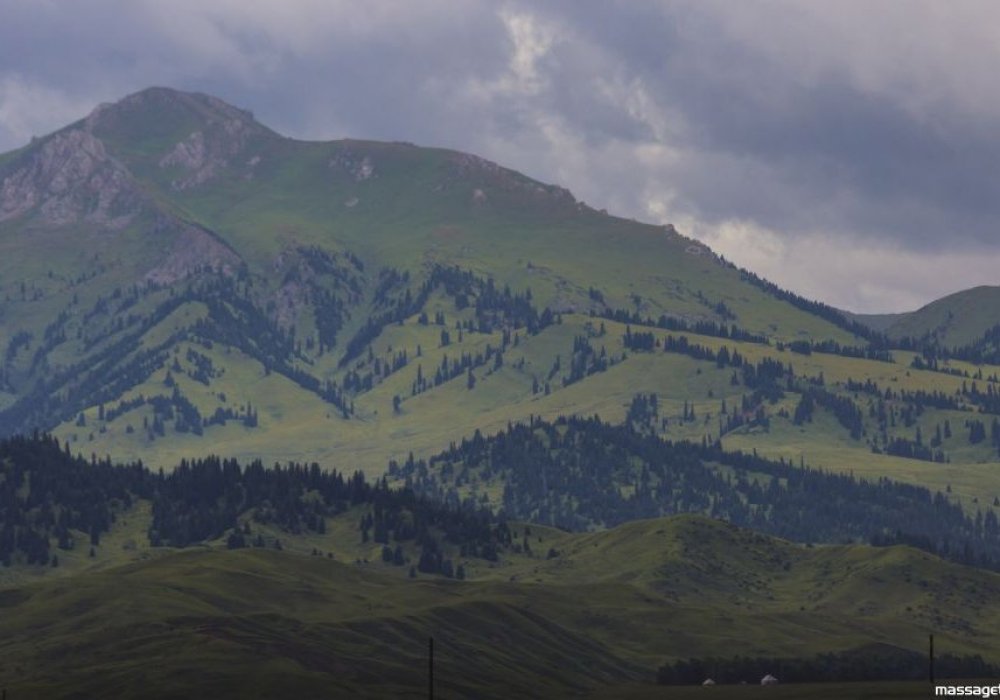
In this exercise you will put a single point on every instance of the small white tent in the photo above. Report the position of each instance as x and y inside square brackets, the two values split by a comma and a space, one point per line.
[708, 681]
[769, 680]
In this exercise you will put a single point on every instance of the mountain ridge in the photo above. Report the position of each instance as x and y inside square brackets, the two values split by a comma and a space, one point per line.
[957, 319]
[353, 299]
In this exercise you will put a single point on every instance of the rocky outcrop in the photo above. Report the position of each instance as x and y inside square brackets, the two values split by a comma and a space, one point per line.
[193, 249]
[189, 153]
[358, 166]
[205, 154]
[71, 178]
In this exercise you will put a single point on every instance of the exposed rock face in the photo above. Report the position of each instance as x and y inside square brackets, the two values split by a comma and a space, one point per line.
[360, 167]
[194, 249]
[204, 154]
[310, 274]
[466, 163]
[70, 179]
[191, 153]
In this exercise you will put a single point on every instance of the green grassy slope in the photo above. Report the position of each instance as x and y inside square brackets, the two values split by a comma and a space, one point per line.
[602, 614]
[398, 205]
[295, 425]
[260, 624]
[955, 320]
[312, 236]
[169, 195]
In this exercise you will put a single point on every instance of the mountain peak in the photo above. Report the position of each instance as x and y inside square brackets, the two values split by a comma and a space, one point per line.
[165, 103]
[190, 136]
[85, 172]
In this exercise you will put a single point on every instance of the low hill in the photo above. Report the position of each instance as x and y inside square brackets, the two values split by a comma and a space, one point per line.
[606, 610]
[55, 510]
[957, 320]
[326, 584]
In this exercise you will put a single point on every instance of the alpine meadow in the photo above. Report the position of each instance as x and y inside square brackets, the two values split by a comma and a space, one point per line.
[278, 415]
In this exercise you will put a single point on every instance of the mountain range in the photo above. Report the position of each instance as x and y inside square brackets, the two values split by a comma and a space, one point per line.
[178, 280]
[292, 285]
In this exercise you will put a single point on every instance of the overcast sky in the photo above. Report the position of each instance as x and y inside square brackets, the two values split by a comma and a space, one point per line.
[849, 151]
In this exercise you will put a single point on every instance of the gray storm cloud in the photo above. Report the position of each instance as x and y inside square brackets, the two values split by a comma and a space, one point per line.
[782, 133]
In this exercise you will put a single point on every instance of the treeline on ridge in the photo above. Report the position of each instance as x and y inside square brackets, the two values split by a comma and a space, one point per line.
[48, 496]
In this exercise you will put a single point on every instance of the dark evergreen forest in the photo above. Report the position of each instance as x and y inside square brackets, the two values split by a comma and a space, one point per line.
[48, 497]
[574, 473]
[581, 473]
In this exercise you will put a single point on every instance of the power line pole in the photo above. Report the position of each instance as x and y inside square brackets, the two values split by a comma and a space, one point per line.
[930, 659]
[430, 668]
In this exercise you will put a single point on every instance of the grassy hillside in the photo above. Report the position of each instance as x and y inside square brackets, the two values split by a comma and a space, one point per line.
[296, 425]
[286, 298]
[166, 201]
[955, 320]
[602, 614]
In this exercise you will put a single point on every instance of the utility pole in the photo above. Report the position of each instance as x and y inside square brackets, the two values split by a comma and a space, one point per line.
[430, 668]
[930, 659]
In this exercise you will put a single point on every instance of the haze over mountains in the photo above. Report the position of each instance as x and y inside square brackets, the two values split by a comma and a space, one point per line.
[177, 281]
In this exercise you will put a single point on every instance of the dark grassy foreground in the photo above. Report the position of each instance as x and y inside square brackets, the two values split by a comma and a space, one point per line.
[257, 624]
[596, 621]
